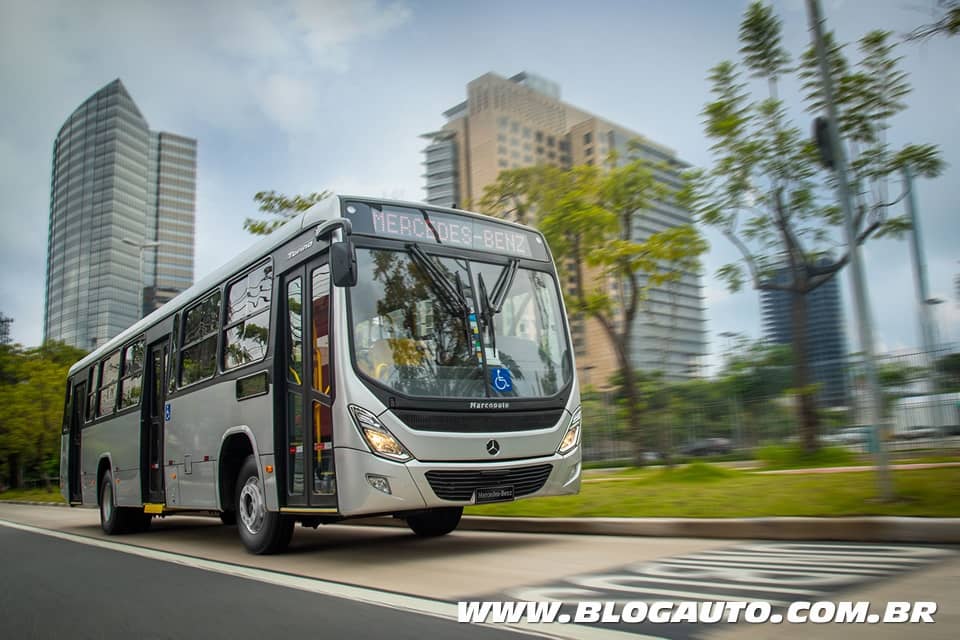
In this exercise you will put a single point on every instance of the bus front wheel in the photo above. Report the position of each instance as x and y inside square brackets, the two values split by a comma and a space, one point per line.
[262, 532]
[435, 522]
[115, 520]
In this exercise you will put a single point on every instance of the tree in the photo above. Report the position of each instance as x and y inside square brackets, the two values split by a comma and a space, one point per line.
[278, 204]
[767, 192]
[948, 24]
[32, 384]
[589, 217]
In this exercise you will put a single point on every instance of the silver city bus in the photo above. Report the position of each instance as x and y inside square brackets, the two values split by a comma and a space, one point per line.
[369, 357]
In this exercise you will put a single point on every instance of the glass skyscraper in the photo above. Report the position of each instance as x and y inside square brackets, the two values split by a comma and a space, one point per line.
[826, 333]
[116, 189]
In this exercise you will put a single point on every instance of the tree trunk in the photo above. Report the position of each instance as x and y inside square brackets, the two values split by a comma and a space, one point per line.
[632, 401]
[806, 401]
[15, 469]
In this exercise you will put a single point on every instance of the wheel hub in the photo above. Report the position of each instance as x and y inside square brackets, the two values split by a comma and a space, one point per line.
[252, 508]
[106, 502]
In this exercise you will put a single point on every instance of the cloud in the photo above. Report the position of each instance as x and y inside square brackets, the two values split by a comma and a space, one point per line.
[246, 79]
[329, 26]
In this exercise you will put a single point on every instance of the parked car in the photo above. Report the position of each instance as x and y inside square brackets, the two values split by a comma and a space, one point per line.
[707, 447]
[853, 435]
[917, 433]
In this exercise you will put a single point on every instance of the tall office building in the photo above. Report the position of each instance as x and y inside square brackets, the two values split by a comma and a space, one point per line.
[5, 323]
[826, 334]
[507, 123]
[122, 206]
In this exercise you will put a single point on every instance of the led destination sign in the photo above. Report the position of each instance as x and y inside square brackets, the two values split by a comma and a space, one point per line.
[443, 228]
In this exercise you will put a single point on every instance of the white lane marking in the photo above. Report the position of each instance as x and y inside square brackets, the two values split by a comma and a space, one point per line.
[413, 604]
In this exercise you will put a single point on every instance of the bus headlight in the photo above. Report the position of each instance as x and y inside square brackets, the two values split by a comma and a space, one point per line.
[377, 437]
[572, 437]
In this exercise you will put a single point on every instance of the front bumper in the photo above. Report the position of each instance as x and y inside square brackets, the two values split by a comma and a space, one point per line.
[410, 488]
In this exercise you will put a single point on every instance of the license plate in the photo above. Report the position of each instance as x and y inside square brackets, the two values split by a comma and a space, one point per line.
[493, 494]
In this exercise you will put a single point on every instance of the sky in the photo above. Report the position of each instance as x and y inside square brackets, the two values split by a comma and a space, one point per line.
[300, 96]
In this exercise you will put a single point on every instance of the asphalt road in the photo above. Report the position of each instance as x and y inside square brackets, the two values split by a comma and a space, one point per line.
[62, 589]
[191, 577]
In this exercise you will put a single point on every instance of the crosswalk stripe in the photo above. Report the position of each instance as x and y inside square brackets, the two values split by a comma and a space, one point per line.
[682, 582]
[808, 560]
[602, 583]
[776, 568]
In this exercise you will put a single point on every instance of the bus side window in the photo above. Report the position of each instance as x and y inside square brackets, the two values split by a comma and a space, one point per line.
[132, 380]
[246, 331]
[201, 325]
[109, 377]
[93, 381]
[171, 375]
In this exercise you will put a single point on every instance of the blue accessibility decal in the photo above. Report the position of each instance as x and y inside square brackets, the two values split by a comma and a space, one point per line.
[500, 379]
[166, 411]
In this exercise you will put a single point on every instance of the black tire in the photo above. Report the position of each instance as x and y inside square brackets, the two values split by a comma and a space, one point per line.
[228, 518]
[262, 532]
[116, 520]
[435, 522]
[111, 520]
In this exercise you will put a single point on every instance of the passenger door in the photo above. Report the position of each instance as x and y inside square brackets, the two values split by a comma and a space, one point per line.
[309, 475]
[151, 461]
[75, 439]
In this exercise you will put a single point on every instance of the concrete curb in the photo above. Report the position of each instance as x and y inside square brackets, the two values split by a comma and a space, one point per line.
[35, 503]
[855, 529]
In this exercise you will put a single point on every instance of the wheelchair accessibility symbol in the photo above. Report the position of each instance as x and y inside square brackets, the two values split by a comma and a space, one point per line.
[166, 412]
[500, 379]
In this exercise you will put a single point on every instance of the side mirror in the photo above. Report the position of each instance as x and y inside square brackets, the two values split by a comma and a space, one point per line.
[343, 263]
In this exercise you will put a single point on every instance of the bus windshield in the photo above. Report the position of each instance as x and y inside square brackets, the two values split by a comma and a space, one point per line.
[424, 326]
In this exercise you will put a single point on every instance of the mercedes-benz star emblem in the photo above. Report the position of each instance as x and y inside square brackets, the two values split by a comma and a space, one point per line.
[493, 447]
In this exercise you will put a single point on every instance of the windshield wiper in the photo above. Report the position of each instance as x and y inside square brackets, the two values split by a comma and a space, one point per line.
[491, 305]
[451, 295]
[503, 284]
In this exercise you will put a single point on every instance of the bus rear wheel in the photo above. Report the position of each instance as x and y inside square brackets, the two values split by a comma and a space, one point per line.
[435, 522]
[262, 532]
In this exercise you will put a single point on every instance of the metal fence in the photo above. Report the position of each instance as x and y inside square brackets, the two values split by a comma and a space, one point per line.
[921, 402]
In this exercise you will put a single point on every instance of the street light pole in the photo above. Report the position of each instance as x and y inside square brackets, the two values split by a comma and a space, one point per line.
[927, 336]
[140, 246]
[861, 304]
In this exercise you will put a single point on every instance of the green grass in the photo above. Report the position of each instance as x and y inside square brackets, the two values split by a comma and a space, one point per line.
[794, 457]
[703, 491]
[32, 495]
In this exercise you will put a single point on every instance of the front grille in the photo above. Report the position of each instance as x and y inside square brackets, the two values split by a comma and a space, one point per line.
[459, 485]
[474, 422]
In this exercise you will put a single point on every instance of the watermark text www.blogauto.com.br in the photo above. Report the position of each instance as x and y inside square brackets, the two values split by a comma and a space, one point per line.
[665, 612]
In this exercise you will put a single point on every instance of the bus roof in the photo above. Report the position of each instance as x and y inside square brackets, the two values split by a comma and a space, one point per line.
[327, 209]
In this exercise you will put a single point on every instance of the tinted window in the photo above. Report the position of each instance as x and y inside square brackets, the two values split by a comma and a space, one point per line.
[109, 374]
[130, 384]
[247, 331]
[198, 356]
[295, 329]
